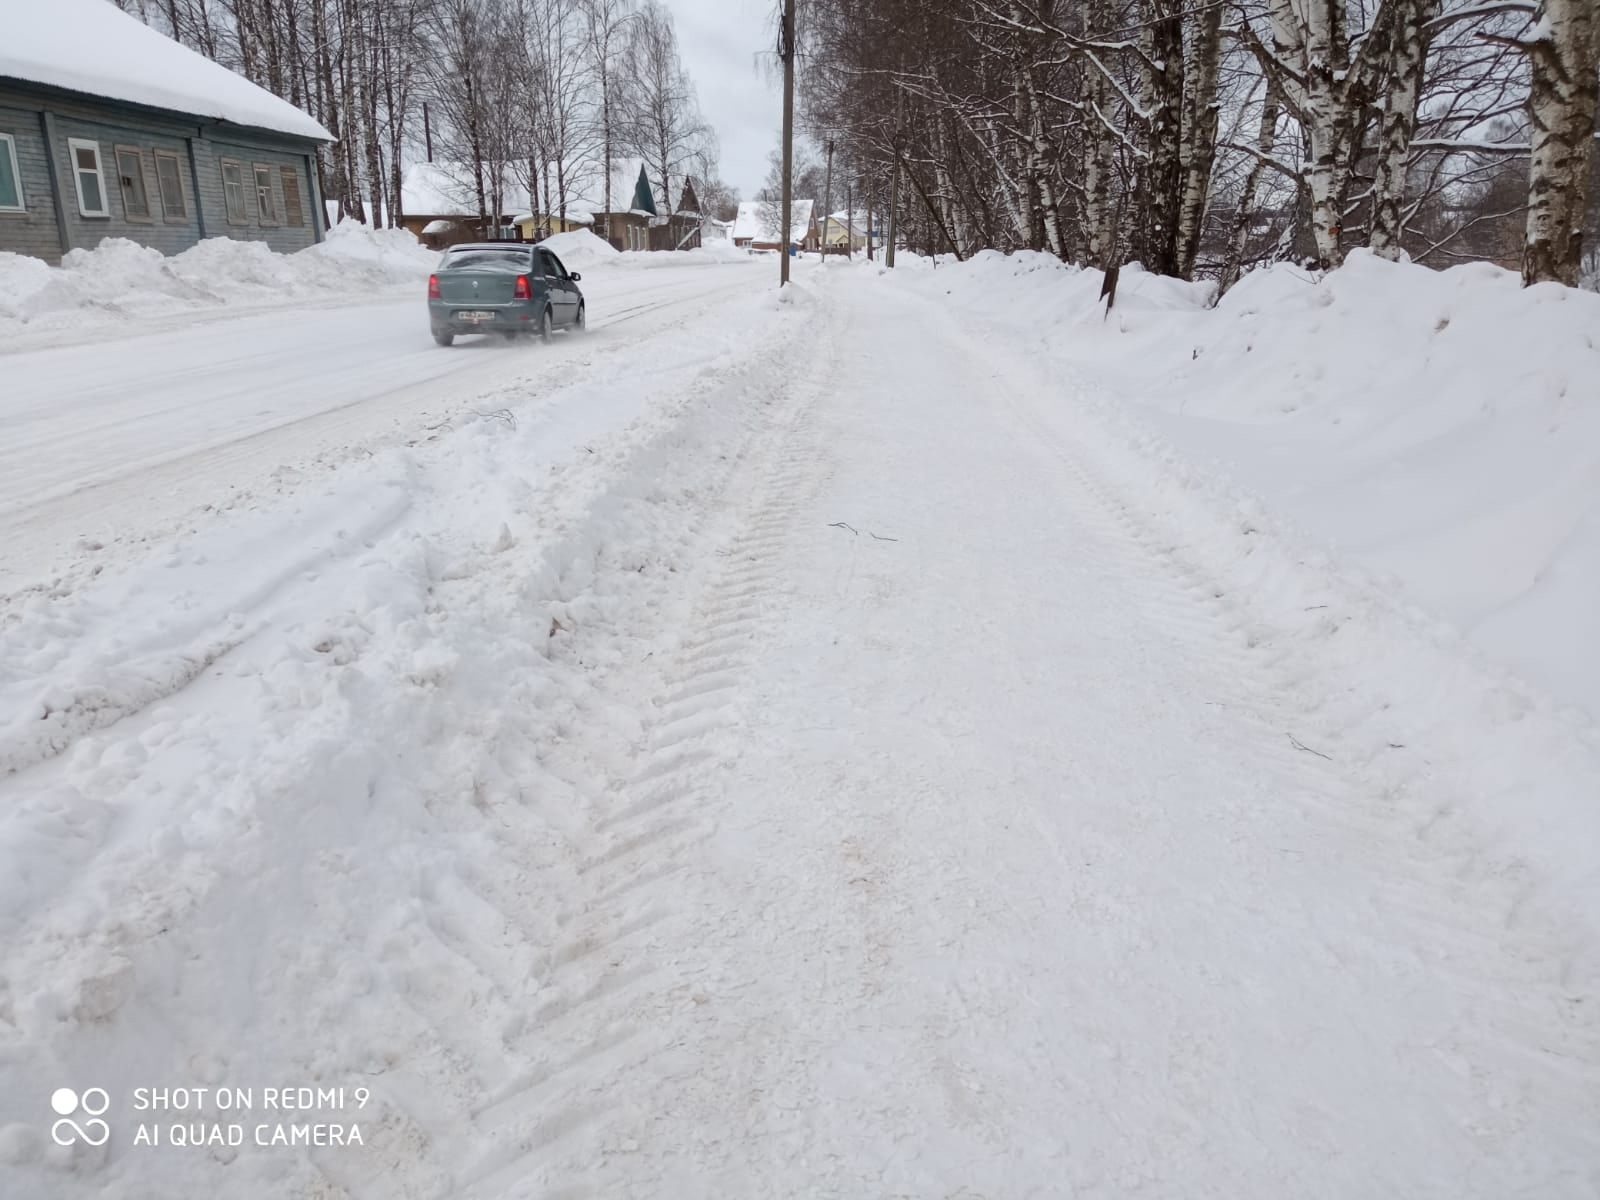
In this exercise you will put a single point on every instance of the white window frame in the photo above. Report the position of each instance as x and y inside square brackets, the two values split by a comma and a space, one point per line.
[73, 146]
[168, 213]
[8, 147]
[149, 215]
[244, 212]
[266, 197]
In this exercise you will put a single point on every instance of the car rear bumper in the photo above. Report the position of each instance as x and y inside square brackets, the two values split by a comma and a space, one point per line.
[446, 317]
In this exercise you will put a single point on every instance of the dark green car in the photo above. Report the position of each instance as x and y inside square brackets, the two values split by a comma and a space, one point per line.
[504, 288]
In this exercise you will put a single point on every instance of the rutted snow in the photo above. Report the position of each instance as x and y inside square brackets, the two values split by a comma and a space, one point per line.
[1443, 428]
[900, 774]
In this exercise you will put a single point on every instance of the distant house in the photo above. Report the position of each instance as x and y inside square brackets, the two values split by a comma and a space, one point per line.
[110, 129]
[633, 206]
[759, 224]
[439, 203]
[532, 226]
[841, 230]
[640, 219]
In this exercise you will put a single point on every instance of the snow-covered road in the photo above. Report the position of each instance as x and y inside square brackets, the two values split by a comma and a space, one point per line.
[117, 440]
[872, 777]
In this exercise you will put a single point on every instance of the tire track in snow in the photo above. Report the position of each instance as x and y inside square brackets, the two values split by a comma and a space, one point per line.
[654, 832]
[1464, 909]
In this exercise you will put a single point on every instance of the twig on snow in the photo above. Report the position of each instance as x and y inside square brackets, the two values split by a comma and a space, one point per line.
[1299, 745]
[844, 525]
[883, 539]
[499, 414]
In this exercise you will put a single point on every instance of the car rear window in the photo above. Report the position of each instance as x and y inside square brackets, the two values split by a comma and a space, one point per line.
[487, 258]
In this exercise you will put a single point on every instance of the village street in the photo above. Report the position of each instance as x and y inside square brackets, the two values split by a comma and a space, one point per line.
[120, 442]
[797, 748]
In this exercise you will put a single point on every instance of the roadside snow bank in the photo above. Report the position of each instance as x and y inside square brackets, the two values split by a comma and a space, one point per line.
[1441, 427]
[580, 250]
[121, 278]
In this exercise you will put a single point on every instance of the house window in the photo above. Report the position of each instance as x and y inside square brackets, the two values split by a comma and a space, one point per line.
[88, 178]
[266, 202]
[169, 174]
[233, 190]
[293, 213]
[10, 176]
[130, 178]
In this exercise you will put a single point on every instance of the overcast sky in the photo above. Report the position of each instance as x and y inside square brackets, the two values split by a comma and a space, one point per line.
[719, 41]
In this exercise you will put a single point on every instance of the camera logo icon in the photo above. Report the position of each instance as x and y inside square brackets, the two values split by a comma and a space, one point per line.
[93, 1102]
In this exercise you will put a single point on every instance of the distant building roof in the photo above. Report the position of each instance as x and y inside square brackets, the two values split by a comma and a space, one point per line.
[758, 225]
[448, 189]
[92, 46]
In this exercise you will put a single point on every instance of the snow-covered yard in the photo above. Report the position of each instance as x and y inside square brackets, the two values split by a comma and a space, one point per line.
[903, 736]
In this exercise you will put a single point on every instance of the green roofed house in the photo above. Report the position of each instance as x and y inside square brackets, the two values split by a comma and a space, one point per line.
[110, 129]
[633, 206]
[640, 219]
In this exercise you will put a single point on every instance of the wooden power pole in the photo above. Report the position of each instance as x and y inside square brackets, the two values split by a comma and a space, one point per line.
[786, 53]
[827, 201]
[849, 222]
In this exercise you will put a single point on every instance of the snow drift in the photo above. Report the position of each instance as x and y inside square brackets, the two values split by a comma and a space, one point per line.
[1443, 428]
[123, 278]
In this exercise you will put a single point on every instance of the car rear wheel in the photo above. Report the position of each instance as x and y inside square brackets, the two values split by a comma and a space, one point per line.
[582, 322]
[445, 339]
[546, 325]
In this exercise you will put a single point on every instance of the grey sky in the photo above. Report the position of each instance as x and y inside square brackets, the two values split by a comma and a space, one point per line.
[719, 41]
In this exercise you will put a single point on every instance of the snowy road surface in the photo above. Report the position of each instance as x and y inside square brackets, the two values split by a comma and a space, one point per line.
[870, 777]
[103, 442]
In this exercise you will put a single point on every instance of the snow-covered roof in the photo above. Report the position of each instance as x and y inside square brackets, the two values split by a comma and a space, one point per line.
[94, 47]
[448, 189]
[751, 223]
[439, 225]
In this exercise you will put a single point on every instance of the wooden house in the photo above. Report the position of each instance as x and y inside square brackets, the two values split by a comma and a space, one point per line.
[108, 129]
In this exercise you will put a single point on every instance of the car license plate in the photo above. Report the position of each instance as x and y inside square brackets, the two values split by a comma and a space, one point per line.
[474, 314]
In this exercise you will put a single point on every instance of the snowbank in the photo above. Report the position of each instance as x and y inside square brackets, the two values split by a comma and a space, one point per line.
[580, 250]
[1441, 427]
[123, 278]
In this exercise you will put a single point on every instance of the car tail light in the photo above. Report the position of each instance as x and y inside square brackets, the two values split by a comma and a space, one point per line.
[524, 290]
[433, 287]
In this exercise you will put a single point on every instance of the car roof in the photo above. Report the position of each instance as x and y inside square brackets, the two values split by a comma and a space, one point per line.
[488, 246]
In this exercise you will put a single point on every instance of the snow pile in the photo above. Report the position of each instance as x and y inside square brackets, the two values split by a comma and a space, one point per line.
[121, 277]
[580, 250]
[1441, 427]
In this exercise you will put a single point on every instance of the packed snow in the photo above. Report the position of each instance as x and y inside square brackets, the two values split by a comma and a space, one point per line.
[1440, 428]
[908, 734]
[94, 47]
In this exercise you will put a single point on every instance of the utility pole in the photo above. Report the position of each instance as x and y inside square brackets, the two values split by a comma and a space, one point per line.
[827, 202]
[894, 211]
[427, 131]
[872, 212]
[849, 221]
[786, 53]
[894, 185]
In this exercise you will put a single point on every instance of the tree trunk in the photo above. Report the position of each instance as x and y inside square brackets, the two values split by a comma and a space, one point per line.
[1162, 99]
[1408, 52]
[1266, 139]
[1198, 141]
[1561, 108]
